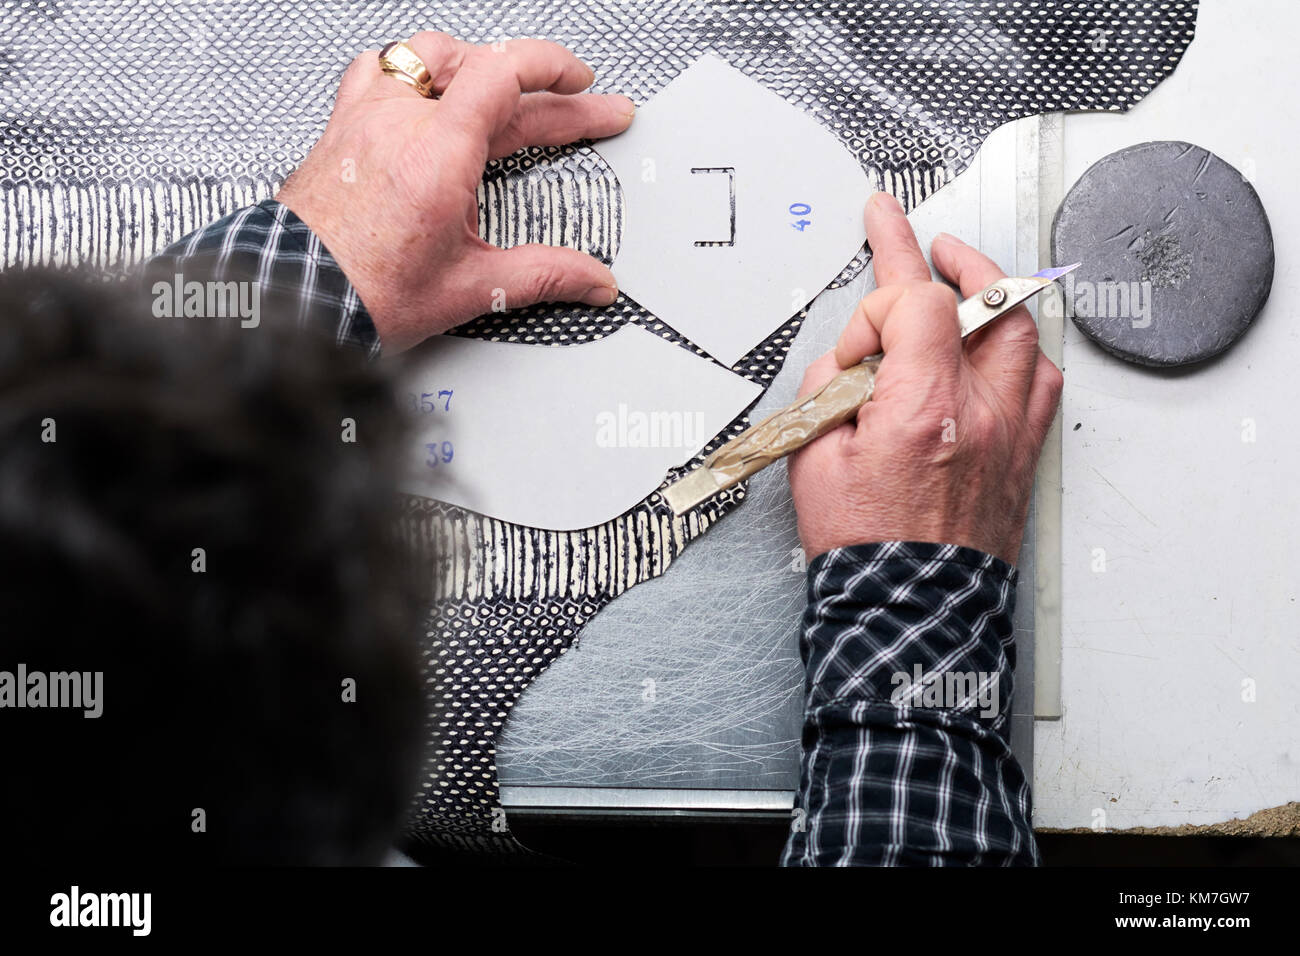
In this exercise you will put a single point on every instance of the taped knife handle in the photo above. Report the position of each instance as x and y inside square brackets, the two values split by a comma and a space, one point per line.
[796, 425]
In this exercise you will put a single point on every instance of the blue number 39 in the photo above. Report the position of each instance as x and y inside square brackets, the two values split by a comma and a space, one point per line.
[439, 453]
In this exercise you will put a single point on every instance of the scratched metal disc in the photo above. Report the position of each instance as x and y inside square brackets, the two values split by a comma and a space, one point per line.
[1176, 253]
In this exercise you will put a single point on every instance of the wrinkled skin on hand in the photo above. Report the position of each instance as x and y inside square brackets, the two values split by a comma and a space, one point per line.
[947, 448]
[390, 188]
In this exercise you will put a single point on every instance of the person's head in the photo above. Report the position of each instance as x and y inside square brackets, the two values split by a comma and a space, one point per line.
[202, 514]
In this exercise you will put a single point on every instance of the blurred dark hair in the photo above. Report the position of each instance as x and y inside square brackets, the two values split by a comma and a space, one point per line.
[223, 689]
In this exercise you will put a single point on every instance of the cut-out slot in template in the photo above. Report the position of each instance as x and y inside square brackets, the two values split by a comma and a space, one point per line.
[717, 218]
[738, 208]
[561, 437]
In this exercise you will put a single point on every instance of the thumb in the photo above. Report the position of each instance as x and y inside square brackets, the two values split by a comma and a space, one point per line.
[534, 273]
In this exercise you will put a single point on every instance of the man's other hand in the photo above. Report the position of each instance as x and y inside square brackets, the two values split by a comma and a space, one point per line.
[390, 188]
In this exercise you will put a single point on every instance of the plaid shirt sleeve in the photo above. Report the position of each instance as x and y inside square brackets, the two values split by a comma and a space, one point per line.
[906, 743]
[268, 244]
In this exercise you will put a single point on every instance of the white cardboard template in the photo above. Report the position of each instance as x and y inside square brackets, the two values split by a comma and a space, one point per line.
[798, 201]
[561, 437]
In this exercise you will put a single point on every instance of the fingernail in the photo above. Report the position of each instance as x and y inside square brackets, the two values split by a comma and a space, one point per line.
[601, 295]
[885, 202]
[949, 237]
[628, 107]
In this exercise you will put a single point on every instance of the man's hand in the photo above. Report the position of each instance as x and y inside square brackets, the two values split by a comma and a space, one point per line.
[946, 449]
[390, 187]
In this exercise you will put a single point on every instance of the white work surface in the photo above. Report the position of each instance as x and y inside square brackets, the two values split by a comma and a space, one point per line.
[1199, 600]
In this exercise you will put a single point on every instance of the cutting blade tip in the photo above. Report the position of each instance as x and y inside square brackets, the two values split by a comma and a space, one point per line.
[1058, 272]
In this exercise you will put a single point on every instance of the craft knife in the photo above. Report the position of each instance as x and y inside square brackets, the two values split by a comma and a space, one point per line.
[835, 403]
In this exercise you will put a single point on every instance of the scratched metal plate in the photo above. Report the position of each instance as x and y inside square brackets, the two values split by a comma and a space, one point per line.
[111, 150]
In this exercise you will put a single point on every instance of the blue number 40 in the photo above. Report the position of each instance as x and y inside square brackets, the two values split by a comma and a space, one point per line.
[800, 209]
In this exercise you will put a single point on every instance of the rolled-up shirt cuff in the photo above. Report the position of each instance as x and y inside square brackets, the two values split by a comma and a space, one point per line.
[913, 626]
[268, 244]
